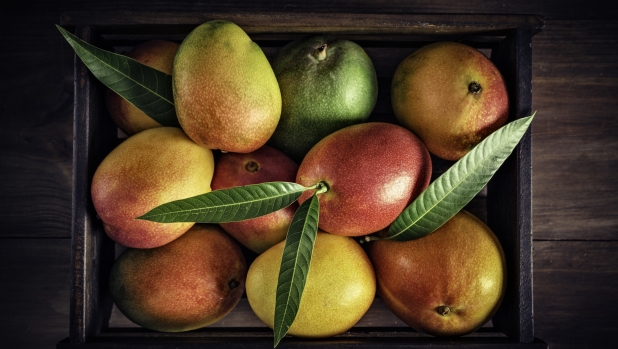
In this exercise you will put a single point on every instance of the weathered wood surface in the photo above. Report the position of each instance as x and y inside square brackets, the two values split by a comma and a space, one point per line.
[34, 291]
[575, 290]
[575, 147]
[575, 138]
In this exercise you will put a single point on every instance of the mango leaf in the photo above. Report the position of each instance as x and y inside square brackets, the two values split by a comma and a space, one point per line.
[228, 205]
[295, 264]
[149, 89]
[450, 192]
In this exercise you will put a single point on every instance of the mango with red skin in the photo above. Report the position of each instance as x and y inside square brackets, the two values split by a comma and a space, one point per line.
[266, 164]
[189, 283]
[148, 169]
[460, 266]
[372, 171]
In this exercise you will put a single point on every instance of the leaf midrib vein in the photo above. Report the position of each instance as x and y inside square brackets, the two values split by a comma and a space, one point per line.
[218, 207]
[296, 265]
[289, 289]
[448, 193]
[122, 74]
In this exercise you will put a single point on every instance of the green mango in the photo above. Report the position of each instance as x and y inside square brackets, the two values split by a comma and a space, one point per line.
[225, 91]
[326, 84]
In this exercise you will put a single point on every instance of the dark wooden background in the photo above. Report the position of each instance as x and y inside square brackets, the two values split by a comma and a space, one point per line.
[575, 159]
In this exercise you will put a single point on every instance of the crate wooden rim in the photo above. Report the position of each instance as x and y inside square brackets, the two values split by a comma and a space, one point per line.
[290, 22]
[87, 327]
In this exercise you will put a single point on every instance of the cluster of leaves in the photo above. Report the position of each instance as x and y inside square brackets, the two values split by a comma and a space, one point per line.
[150, 90]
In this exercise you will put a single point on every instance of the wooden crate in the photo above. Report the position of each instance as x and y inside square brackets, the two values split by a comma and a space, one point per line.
[388, 38]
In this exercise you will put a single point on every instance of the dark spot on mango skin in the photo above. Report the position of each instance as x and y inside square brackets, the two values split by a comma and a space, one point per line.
[233, 284]
[252, 167]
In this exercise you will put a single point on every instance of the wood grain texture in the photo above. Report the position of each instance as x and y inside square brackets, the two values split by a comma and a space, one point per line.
[144, 22]
[575, 136]
[575, 68]
[564, 9]
[35, 137]
[34, 274]
[378, 315]
[93, 251]
[575, 285]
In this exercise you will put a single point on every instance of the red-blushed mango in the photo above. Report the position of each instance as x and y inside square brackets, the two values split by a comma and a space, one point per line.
[225, 91]
[339, 290]
[266, 164]
[189, 283]
[373, 171]
[158, 54]
[149, 169]
[448, 283]
[451, 96]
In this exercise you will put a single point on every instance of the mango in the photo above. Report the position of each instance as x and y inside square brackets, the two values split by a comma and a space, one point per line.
[157, 54]
[448, 283]
[451, 96]
[372, 170]
[340, 288]
[225, 91]
[150, 168]
[189, 283]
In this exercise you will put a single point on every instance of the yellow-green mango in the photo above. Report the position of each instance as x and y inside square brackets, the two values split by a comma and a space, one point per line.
[225, 91]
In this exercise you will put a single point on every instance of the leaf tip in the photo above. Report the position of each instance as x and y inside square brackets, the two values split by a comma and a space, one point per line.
[278, 336]
[63, 31]
[145, 217]
[528, 119]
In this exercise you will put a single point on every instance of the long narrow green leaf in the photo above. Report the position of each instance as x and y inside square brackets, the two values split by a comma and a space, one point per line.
[149, 89]
[228, 205]
[295, 264]
[450, 192]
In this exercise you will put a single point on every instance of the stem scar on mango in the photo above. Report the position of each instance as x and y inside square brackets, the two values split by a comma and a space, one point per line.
[443, 310]
[233, 284]
[474, 88]
[322, 52]
[252, 166]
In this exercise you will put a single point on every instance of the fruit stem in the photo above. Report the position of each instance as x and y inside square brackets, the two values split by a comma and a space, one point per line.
[322, 52]
[474, 88]
[369, 238]
[321, 187]
[443, 310]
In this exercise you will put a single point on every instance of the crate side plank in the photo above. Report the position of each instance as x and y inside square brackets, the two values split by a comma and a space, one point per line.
[92, 141]
[509, 196]
[281, 22]
[300, 343]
